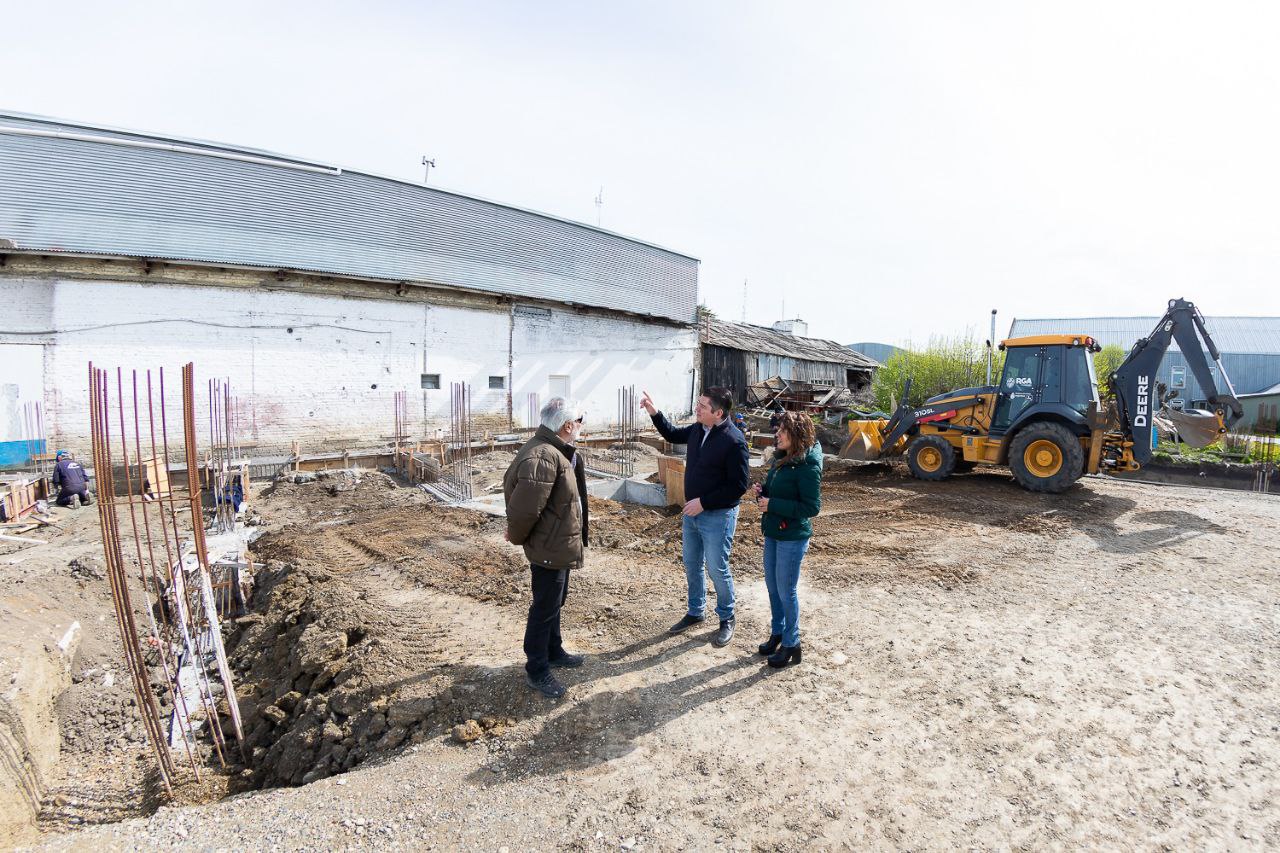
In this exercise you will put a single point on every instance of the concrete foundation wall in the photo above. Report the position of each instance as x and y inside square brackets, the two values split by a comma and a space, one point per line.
[323, 367]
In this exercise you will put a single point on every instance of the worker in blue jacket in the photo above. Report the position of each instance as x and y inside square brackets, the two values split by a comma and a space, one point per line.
[70, 478]
[715, 478]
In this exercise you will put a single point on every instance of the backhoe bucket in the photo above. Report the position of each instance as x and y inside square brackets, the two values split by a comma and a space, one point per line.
[864, 444]
[1196, 427]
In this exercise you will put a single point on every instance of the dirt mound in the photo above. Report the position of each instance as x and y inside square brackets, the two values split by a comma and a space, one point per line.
[638, 446]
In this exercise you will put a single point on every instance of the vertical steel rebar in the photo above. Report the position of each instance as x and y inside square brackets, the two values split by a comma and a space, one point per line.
[188, 630]
[135, 661]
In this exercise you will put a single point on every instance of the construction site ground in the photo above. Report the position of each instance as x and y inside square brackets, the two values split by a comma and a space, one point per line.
[983, 667]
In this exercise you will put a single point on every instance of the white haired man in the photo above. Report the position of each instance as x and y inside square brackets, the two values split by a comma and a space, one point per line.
[546, 495]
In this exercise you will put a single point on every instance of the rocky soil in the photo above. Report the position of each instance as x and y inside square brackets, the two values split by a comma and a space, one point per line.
[983, 667]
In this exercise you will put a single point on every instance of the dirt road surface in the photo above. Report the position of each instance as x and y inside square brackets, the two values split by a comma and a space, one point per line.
[983, 667]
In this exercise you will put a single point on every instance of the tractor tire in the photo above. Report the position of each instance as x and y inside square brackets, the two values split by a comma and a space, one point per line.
[931, 457]
[1046, 457]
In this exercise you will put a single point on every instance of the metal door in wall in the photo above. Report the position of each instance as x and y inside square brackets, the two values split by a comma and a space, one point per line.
[21, 384]
[560, 385]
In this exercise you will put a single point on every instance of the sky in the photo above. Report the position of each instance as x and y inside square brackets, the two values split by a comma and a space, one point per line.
[886, 171]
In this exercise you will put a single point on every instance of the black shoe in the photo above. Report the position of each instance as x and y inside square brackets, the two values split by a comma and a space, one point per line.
[568, 661]
[547, 685]
[771, 645]
[685, 624]
[785, 655]
[724, 635]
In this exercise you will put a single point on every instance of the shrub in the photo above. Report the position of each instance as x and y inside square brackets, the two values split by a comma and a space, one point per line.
[945, 364]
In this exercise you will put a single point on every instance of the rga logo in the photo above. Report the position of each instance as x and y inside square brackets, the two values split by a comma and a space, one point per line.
[1144, 404]
[1022, 381]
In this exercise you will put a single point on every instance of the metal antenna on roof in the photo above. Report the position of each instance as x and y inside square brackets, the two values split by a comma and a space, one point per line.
[430, 164]
[744, 300]
[599, 205]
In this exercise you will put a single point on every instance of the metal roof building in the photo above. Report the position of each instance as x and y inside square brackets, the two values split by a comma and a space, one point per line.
[878, 351]
[735, 355]
[89, 190]
[1250, 347]
[1255, 335]
[337, 302]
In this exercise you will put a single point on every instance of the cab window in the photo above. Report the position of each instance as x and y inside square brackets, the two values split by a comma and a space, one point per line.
[1017, 385]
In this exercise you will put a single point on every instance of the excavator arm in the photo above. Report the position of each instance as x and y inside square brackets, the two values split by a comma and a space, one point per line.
[1134, 382]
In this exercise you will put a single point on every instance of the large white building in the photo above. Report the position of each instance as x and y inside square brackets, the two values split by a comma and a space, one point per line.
[318, 292]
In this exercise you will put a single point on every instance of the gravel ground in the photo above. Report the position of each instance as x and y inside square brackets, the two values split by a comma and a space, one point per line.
[983, 667]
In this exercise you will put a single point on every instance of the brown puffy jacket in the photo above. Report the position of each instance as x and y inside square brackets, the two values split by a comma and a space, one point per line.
[546, 510]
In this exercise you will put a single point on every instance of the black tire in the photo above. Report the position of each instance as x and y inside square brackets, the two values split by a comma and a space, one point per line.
[931, 457]
[1035, 463]
[963, 466]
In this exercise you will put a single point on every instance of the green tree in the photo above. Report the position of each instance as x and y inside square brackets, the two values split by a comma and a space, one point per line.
[1105, 364]
[945, 364]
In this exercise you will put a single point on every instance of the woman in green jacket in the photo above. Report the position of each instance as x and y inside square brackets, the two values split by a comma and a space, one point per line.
[790, 496]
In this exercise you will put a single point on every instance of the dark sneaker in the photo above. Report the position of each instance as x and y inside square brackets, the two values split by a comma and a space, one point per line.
[724, 635]
[685, 624]
[568, 661]
[547, 685]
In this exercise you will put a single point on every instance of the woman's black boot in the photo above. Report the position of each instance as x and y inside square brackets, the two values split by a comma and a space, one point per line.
[785, 655]
[771, 645]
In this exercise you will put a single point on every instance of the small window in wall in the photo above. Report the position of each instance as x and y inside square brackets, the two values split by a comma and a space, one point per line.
[497, 382]
[431, 381]
[1178, 377]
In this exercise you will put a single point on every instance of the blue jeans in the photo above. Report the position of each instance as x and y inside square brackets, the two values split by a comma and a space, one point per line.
[781, 576]
[708, 537]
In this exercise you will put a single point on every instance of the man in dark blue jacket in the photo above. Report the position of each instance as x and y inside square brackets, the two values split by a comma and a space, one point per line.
[72, 481]
[715, 477]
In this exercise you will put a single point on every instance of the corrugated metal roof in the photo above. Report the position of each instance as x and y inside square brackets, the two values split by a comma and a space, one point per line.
[1259, 335]
[749, 338]
[124, 193]
[1274, 389]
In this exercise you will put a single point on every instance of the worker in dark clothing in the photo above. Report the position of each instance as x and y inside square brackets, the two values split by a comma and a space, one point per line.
[715, 477]
[72, 481]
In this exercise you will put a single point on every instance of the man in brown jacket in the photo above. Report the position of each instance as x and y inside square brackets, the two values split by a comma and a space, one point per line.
[546, 494]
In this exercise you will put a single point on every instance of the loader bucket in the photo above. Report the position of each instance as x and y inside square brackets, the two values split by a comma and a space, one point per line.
[1196, 427]
[864, 442]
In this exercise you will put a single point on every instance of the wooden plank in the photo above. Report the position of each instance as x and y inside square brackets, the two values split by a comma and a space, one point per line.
[26, 540]
[671, 474]
[155, 473]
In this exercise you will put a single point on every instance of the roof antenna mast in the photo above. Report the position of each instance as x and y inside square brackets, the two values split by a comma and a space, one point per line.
[429, 164]
[599, 205]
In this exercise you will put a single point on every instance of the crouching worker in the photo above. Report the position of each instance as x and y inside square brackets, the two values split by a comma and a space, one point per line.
[546, 495]
[70, 478]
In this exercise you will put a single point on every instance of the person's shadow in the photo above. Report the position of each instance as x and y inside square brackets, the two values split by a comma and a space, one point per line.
[606, 726]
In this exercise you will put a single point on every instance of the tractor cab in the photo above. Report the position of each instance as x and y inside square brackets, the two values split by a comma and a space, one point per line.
[1046, 375]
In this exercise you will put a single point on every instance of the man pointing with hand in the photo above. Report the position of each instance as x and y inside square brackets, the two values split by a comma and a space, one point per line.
[715, 477]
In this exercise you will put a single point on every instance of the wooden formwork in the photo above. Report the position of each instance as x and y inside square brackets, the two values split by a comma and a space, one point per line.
[18, 497]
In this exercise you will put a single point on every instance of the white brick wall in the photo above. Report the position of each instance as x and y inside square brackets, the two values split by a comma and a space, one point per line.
[323, 369]
[601, 354]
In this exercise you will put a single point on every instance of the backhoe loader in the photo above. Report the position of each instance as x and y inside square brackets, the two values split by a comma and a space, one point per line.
[1045, 419]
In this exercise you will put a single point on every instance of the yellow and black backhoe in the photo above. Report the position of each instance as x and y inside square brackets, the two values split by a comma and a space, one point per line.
[1045, 419]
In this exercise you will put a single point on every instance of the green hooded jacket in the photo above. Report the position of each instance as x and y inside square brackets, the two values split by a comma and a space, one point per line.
[794, 490]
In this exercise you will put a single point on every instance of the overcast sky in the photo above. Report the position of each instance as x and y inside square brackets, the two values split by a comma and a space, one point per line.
[886, 170]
